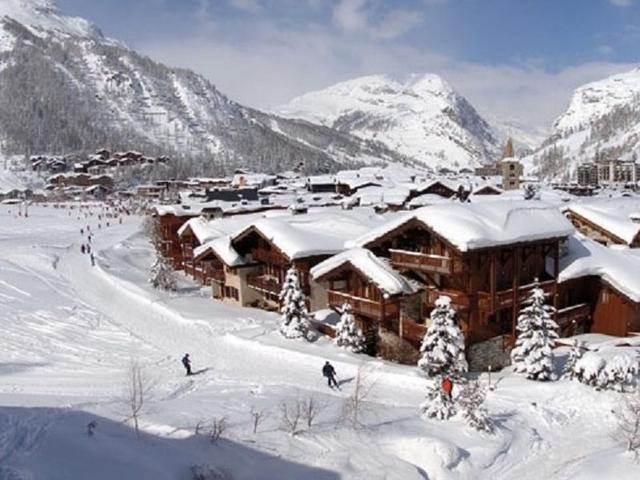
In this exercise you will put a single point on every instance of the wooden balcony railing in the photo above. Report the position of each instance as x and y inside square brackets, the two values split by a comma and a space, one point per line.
[264, 284]
[364, 306]
[459, 300]
[423, 261]
[576, 313]
[504, 298]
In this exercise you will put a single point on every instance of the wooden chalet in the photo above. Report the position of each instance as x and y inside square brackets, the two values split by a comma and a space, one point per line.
[486, 257]
[378, 294]
[271, 262]
[609, 221]
[604, 283]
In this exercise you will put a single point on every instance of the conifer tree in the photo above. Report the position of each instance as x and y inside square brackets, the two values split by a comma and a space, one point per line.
[295, 323]
[471, 402]
[348, 335]
[533, 352]
[578, 348]
[442, 349]
[437, 403]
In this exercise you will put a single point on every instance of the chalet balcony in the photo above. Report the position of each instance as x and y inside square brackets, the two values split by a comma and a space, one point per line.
[364, 306]
[264, 284]
[574, 315]
[459, 300]
[424, 261]
[504, 298]
[217, 275]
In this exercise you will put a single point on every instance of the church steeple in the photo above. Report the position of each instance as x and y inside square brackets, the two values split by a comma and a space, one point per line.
[508, 151]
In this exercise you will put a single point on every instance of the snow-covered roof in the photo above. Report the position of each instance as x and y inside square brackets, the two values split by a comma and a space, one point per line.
[470, 226]
[201, 228]
[374, 195]
[586, 257]
[321, 233]
[223, 249]
[375, 269]
[615, 215]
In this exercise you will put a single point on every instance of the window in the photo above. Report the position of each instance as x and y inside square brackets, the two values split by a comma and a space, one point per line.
[231, 292]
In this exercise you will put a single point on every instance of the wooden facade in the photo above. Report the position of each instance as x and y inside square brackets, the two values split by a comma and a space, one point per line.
[171, 243]
[487, 286]
[373, 309]
[272, 265]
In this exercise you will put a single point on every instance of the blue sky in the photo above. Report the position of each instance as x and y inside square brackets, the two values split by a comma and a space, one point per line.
[514, 59]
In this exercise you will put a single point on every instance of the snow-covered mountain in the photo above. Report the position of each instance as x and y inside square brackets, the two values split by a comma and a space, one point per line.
[603, 119]
[65, 87]
[420, 116]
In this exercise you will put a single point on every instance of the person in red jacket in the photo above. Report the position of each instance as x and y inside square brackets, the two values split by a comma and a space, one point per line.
[447, 387]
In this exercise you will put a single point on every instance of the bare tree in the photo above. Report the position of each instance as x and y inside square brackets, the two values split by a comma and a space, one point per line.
[218, 427]
[628, 416]
[311, 408]
[291, 414]
[136, 394]
[257, 417]
[355, 406]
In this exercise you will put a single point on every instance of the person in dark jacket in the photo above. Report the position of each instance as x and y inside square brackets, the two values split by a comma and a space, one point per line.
[330, 372]
[186, 361]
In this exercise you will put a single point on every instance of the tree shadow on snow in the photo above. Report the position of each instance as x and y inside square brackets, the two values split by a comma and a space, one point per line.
[54, 444]
[18, 367]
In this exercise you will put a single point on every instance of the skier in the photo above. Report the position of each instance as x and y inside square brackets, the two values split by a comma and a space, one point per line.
[93, 261]
[186, 361]
[447, 387]
[88, 248]
[82, 231]
[82, 248]
[330, 372]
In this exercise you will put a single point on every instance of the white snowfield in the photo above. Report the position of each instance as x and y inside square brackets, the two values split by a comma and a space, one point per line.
[69, 330]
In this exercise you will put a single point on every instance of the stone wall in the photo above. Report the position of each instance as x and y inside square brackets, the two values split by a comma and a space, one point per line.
[488, 353]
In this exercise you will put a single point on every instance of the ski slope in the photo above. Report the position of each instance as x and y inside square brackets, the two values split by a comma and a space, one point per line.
[69, 331]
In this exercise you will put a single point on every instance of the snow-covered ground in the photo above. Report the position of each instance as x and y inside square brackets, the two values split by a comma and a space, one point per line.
[68, 332]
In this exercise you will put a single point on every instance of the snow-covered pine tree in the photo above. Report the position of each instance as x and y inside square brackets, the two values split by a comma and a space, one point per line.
[437, 404]
[471, 402]
[578, 347]
[533, 352]
[295, 323]
[348, 335]
[442, 349]
[162, 275]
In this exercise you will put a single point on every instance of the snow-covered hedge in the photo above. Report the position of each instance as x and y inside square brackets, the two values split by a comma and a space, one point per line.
[615, 374]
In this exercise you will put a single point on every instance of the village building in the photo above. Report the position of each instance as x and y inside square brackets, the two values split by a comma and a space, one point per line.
[486, 257]
[611, 221]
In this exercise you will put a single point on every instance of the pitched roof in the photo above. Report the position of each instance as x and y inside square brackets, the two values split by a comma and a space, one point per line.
[586, 257]
[613, 215]
[470, 226]
[375, 269]
[322, 233]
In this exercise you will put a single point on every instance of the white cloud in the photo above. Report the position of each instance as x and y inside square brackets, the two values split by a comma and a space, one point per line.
[358, 16]
[621, 3]
[350, 15]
